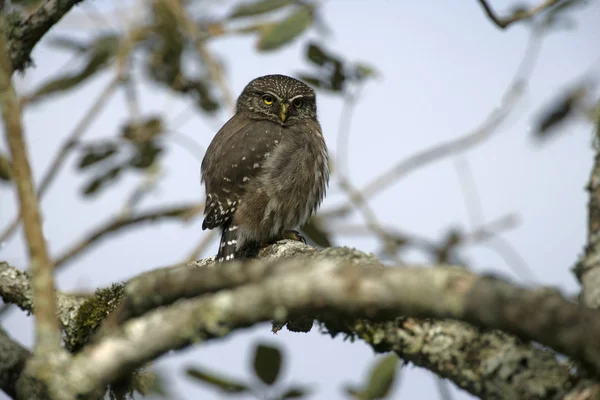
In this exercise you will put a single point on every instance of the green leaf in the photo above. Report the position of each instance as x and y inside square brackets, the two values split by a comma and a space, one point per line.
[227, 385]
[5, 168]
[100, 182]
[313, 229]
[355, 392]
[95, 154]
[295, 392]
[318, 56]
[145, 155]
[562, 109]
[143, 131]
[364, 71]
[258, 7]
[279, 34]
[382, 377]
[313, 81]
[267, 363]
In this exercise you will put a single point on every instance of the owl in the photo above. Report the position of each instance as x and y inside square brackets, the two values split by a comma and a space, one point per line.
[267, 169]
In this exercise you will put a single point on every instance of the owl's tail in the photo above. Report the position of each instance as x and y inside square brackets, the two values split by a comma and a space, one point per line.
[228, 244]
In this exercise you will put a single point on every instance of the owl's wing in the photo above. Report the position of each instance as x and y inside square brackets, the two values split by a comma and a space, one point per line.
[233, 159]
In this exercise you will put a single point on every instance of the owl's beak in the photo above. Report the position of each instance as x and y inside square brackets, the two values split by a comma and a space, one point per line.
[283, 112]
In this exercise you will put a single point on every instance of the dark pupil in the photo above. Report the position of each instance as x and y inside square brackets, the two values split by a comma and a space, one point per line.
[298, 103]
[268, 98]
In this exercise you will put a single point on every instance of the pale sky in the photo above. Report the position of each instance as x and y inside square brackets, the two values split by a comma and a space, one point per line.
[444, 68]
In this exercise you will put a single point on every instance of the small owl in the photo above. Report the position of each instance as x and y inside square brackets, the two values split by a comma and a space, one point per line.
[266, 170]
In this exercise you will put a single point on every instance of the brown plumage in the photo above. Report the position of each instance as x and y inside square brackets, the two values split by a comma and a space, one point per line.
[266, 170]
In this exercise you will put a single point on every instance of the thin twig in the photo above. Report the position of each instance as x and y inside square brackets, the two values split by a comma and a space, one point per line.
[66, 148]
[518, 15]
[47, 328]
[344, 125]
[184, 212]
[472, 199]
[455, 146]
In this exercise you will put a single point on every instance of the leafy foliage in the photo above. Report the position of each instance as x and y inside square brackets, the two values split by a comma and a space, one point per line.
[109, 158]
[279, 34]
[332, 72]
[258, 7]
[266, 364]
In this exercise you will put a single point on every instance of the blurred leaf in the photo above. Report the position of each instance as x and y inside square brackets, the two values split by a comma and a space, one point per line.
[144, 130]
[148, 382]
[267, 363]
[100, 54]
[559, 112]
[315, 232]
[5, 168]
[145, 156]
[258, 7]
[96, 153]
[355, 392]
[295, 392]
[364, 71]
[285, 31]
[382, 377]
[318, 56]
[227, 385]
[313, 81]
[101, 181]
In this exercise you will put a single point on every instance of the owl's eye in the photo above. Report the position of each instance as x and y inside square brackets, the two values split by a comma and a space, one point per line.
[267, 99]
[298, 103]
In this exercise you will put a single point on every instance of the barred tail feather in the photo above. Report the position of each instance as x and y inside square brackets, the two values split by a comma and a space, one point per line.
[228, 244]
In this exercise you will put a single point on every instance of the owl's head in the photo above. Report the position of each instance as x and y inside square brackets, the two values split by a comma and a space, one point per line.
[278, 98]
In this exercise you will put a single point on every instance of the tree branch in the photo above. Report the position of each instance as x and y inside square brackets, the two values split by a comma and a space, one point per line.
[588, 268]
[47, 333]
[348, 285]
[518, 15]
[12, 362]
[183, 212]
[487, 364]
[15, 288]
[25, 33]
[329, 285]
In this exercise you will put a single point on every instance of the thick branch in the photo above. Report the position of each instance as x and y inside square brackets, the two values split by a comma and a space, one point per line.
[24, 34]
[15, 288]
[487, 364]
[588, 268]
[337, 282]
[521, 14]
[12, 362]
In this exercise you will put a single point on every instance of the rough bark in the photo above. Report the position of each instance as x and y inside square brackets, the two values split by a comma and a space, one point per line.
[24, 33]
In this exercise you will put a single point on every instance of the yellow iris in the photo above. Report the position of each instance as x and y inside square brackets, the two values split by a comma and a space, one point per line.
[267, 99]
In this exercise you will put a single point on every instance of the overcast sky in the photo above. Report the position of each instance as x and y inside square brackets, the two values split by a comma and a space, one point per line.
[444, 67]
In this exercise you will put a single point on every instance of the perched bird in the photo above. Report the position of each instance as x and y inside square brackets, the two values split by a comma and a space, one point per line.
[266, 170]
